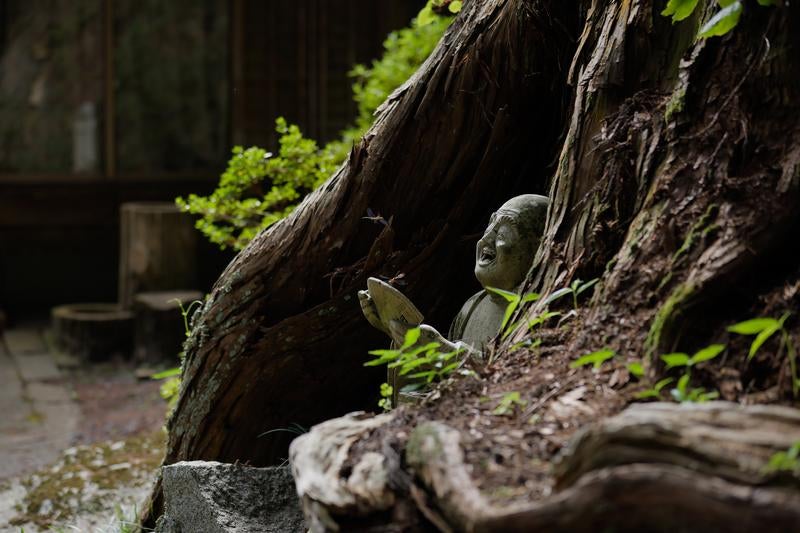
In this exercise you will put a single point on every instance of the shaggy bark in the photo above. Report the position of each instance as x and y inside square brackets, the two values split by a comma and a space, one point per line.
[677, 186]
[678, 181]
[281, 339]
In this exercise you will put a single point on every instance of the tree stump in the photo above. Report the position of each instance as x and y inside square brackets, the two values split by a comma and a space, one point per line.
[160, 330]
[92, 331]
[157, 250]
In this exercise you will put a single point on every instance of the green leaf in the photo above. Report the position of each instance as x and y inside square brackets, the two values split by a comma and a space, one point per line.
[412, 387]
[723, 21]
[767, 2]
[530, 297]
[449, 368]
[508, 295]
[707, 353]
[510, 308]
[752, 326]
[428, 374]
[595, 359]
[508, 402]
[513, 300]
[408, 367]
[679, 9]
[636, 369]
[558, 294]
[455, 7]
[707, 396]
[683, 382]
[663, 383]
[167, 373]
[412, 336]
[586, 286]
[384, 353]
[542, 318]
[761, 339]
[425, 17]
[425, 348]
[675, 359]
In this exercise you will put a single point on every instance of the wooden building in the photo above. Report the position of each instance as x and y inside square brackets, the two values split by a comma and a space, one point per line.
[108, 101]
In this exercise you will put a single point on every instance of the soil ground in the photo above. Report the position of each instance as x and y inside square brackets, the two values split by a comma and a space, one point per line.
[520, 412]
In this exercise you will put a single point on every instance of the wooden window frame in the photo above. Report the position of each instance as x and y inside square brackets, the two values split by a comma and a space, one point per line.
[109, 142]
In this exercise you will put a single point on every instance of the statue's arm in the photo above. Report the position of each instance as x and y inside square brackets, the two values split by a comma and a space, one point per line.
[397, 330]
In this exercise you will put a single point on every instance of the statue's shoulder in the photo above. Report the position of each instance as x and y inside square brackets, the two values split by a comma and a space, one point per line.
[472, 301]
[461, 319]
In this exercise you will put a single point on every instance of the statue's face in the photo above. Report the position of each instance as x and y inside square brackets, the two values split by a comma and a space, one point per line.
[503, 256]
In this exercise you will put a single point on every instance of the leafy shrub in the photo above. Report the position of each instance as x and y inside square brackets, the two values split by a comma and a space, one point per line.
[260, 188]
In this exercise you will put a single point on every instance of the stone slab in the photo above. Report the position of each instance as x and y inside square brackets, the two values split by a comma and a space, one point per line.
[25, 341]
[41, 367]
[49, 393]
[210, 497]
[10, 386]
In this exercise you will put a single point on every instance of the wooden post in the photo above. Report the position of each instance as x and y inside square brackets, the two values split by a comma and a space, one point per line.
[160, 330]
[92, 331]
[108, 86]
[157, 250]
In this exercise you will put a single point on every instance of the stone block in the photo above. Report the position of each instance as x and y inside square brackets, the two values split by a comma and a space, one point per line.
[41, 367]
[210, 497]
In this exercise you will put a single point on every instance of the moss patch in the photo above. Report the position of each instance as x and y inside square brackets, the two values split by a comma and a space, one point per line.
[665, 317]
[86, 478]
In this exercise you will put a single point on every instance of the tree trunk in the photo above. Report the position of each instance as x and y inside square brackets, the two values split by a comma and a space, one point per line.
[676, 185]
[282, 340]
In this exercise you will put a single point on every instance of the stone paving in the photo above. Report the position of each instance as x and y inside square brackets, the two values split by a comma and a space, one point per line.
[53, 410]
[38, 412]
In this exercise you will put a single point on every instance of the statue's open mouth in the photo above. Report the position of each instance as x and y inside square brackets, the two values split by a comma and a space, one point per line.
[487, 257]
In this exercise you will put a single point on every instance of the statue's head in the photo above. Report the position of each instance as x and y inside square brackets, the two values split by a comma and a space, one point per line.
[505, 252]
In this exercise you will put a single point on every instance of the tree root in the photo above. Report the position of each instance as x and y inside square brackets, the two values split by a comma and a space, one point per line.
[656, 466]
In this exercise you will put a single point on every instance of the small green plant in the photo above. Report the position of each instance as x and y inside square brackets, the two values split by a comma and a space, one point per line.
[720, 23]
[682, 393]
[655, 391]
[423, 363]
[635, 368]
[171, 387]
[294, 428]
[680, 359]
[575, 289]
[514, 301]
[763, 329]
[185, 312]
[127, 524]
[788, 461]
[508, 403]
[596, 359]
[385, 402]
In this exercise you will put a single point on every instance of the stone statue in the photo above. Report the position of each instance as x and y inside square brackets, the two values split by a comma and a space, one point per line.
[503, 256]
